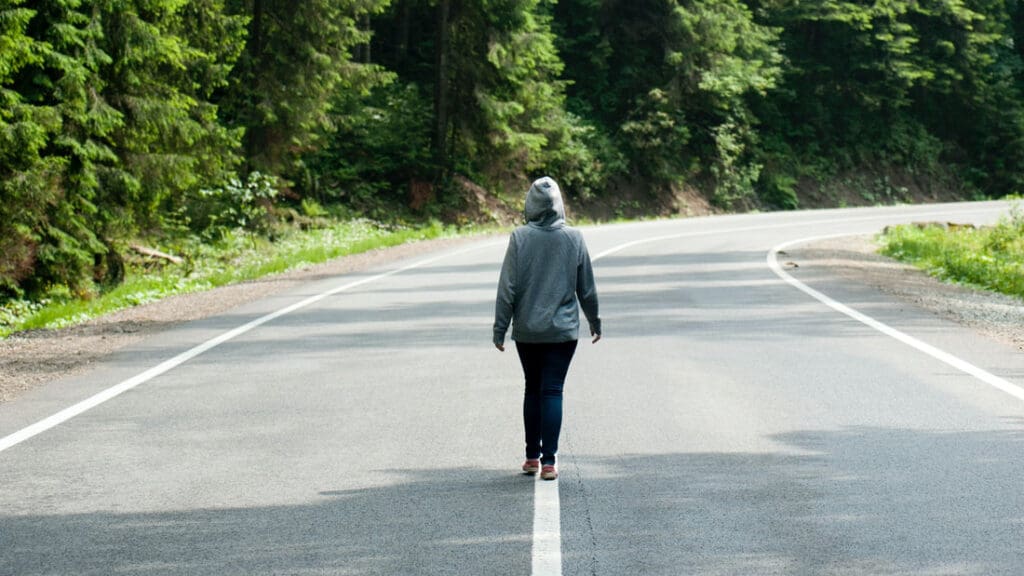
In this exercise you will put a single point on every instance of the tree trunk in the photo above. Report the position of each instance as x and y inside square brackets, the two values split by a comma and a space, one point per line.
[366, 47]
[402, 45]
[254, 130]
[441, 89]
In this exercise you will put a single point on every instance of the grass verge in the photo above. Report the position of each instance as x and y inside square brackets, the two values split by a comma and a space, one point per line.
[990, 257]
[235, 258]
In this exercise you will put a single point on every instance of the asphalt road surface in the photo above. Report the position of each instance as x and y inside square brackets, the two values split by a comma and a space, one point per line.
[728, 423]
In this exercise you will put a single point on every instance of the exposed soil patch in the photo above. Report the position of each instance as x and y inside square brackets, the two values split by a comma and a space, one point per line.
[633, 200]
[879, 187]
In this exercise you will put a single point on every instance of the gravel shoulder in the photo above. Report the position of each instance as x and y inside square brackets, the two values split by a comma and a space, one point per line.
[854, 258]
[33, 358]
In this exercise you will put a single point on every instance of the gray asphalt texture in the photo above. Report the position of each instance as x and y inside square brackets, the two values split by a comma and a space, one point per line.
[727, 424]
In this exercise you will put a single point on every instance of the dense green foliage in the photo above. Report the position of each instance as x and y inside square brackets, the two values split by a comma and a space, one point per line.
[991, 258]
[670, 83]
[916, 85]
[297, 56]
[176, 121]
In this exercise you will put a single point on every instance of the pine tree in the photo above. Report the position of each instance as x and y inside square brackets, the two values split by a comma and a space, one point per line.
[166, 59]
[507, 105]
[671, 82]
[129, 130]
[59, 227]
[28, 181]
[914, 84]
[297, 56]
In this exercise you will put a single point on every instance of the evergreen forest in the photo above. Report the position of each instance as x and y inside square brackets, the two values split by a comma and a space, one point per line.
[123, 120]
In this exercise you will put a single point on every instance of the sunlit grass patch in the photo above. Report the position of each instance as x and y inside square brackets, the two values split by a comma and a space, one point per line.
[989, 257]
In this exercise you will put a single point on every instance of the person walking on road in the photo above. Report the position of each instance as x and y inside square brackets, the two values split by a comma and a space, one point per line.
[546, 278]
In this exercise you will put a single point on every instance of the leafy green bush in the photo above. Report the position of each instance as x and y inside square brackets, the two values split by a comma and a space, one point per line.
[779, 191]
[734, 173]
[584, 159]
[655, 136]
[380, 142]
[237, 204]
[312, 208]
[909, 144]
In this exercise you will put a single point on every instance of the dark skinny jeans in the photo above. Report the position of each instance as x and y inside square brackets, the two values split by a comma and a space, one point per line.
[544, 366]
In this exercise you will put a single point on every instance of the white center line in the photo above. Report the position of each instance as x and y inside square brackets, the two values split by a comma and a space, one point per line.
[547, 529]
[941, 355]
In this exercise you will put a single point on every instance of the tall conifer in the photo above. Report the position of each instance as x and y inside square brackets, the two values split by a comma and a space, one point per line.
[297, 55]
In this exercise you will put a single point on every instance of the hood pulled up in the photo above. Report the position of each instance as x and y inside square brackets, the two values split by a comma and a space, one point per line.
[544, 207]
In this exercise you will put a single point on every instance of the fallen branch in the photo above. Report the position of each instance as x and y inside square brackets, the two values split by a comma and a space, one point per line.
[156, 254]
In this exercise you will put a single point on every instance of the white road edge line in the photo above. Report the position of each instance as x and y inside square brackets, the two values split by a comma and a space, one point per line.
[547, 529]
[167, 365]
[739, 229]
[547, 524]
[942, 356]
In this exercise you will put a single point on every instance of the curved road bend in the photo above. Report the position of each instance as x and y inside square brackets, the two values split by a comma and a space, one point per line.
[728, 424]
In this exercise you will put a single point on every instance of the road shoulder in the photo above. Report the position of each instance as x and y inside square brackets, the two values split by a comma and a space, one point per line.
[855, 259]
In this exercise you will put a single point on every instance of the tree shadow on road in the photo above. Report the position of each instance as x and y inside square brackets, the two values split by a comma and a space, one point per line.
[435, 522]
[859, 501]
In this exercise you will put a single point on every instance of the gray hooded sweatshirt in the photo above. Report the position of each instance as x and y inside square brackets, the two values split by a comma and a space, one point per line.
[546, 270]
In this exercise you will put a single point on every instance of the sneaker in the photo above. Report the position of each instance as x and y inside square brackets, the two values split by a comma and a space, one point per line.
[548, 472]
[531, 466]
